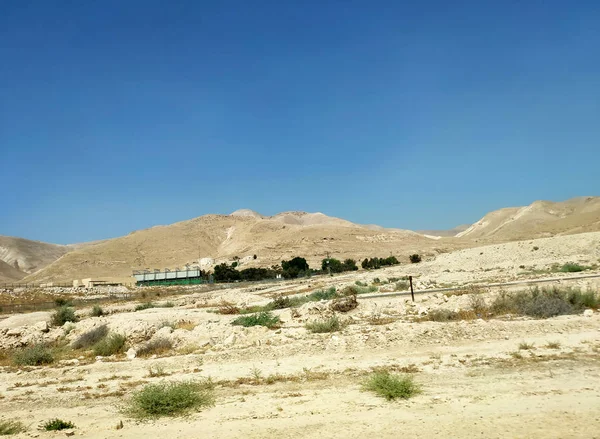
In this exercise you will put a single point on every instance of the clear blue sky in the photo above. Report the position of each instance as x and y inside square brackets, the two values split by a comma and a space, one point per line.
[119, 115]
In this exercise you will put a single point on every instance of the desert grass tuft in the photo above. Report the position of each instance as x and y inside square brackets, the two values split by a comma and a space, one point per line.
[35, 355]
[111, 345]
[390, 386]
[264, 318]
[171, 399]
[11, 427]
[90, 338]
[157, 346]
[332, 324]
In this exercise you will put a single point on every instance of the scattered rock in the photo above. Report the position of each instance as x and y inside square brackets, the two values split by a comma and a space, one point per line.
[230, 340]
[14, 332]
[588, 313]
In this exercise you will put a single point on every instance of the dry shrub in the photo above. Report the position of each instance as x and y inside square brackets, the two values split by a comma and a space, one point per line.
[157, 346]
[228, 308]
[90, 338]
[344, 304]
[378, 319]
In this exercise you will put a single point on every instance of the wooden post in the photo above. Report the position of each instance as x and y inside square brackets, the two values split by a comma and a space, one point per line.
[412, 293]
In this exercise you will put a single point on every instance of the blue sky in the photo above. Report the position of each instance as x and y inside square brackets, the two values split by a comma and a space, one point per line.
[120, 115]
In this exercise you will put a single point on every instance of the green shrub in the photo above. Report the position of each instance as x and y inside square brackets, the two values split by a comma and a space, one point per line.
[327, 294]
[402, 286]
[58, 424]
[97, 311]
[331, 324]
[35, 355]
[264, 318]
[415, 258]
[360, 284]
[111, 345]
[63, 315]
[11, 427]
[62, 301]
[544, 302]
[90, 338]
[392, 386]
[143, 306]
[156, 346]
[167, 305]
[171, 399]
[572, 268]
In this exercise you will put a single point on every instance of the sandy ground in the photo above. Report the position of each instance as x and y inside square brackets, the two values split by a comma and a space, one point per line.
[476, 381]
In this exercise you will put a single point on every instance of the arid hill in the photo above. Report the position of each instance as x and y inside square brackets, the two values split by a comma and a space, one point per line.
[538, 220]
[8, 273]
[213, 239]
[24, 256]
[241, 234]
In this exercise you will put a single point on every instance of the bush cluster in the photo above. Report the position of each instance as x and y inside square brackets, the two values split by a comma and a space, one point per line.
[336, 266]
[375, 263]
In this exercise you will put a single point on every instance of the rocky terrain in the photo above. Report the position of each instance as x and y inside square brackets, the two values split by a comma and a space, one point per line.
[479, 371]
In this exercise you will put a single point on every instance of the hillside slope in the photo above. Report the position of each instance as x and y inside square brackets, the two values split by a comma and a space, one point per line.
[29, 256]
[538, 220]
[242, 234]
[8, 273]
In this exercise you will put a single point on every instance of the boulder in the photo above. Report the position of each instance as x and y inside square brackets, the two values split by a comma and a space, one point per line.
[42, 326]
[588, 313]
[131, 353]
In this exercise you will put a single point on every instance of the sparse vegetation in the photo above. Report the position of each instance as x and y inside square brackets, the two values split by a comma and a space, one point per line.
[143, 306]
[111, 345]
[171, 399]
[281, 302]
[390, 386]
[156, 371]
[553, 345]
[97, 311]
[35, 355]
[11, 427]
[90, 338]
[344, 304]
[544, 302]
[402, 286]
[572, 268]
[58, 424]
[63, 315]
[62, 301]
[524, 346]
[155, 347]
[264, 318]
[354, 290]
[331, 324]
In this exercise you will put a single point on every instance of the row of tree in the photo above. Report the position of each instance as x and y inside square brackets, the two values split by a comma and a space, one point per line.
[298, 267]
[375, 263]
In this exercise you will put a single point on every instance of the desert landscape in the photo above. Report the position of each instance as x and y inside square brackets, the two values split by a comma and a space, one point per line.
[502, 338]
